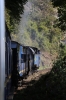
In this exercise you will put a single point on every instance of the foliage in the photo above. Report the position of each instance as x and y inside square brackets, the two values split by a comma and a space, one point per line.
[61, 4]
[13, 11]
[41, 27]
[51, 86]
[37, 27]
[58, 2]
[62, 50]
[15, 8]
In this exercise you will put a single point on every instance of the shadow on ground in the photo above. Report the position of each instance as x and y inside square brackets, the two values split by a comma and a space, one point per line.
[48, 87]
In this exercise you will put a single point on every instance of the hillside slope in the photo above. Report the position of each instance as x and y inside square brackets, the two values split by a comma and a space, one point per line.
[36, 27]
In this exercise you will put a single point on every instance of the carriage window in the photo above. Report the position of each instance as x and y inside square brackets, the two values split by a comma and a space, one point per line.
[23, 58]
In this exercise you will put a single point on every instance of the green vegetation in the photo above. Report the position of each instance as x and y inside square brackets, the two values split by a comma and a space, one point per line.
[51, 86]
[39, 30]
[42, 67]
[37, 26]
[13, 11]
[15, 8]
[61, 5]
[41, 27]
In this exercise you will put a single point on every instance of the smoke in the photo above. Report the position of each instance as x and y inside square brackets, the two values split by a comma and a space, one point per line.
[24, 21]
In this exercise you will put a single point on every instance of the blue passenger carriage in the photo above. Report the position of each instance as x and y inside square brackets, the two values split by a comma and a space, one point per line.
[19, 58]
[8, 58]
[33, 58]
[30, 56]
[37, 59]
[16, 60]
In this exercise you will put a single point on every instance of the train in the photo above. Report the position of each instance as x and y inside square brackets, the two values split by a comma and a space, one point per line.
[20, 61]
[17, 61]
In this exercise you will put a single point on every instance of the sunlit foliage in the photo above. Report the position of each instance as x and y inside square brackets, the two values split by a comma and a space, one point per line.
[61, 6]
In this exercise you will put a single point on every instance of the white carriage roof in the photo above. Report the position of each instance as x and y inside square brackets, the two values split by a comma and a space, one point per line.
[32, 50]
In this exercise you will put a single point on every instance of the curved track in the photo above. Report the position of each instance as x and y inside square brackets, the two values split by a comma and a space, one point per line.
[35, 76]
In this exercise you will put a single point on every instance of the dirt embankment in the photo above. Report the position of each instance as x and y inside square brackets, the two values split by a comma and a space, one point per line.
[47, 59]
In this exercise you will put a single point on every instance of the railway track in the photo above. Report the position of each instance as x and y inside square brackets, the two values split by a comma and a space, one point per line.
[31, 79]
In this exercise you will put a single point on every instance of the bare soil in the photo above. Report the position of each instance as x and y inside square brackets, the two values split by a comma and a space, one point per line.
[47, 59]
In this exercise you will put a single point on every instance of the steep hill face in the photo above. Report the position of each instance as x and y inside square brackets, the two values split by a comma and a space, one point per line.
[36, 27]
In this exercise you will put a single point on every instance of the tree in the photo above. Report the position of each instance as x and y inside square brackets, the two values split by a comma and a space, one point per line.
[13, 11]
[61, 5]
[15, 7]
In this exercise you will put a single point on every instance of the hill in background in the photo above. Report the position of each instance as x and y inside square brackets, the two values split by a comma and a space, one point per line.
[36, 29]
